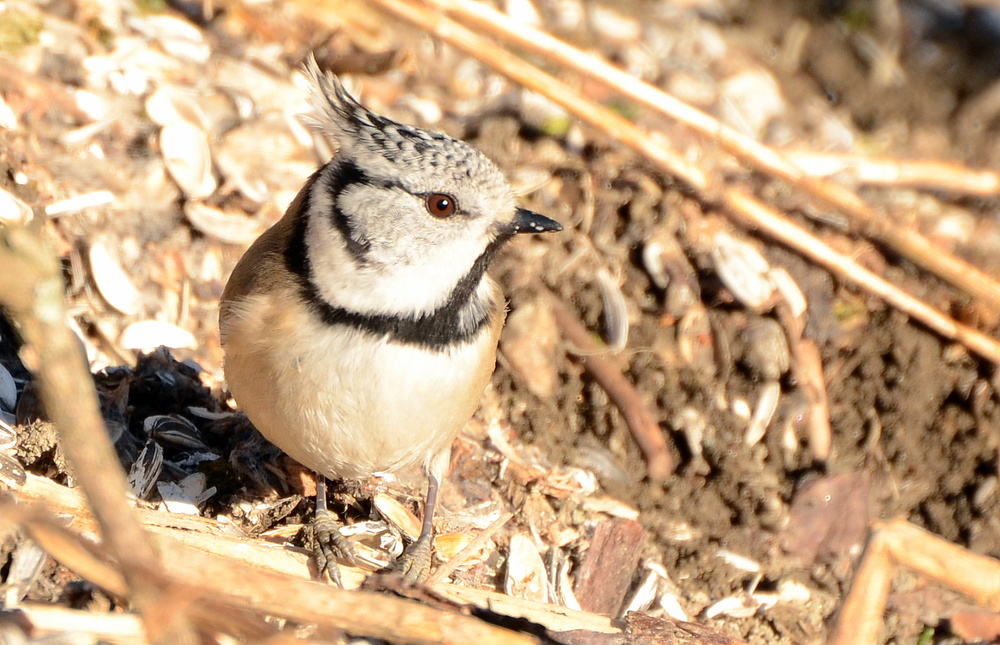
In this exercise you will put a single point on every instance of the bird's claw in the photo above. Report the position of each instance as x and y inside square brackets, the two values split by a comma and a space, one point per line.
[329, 546]
[415, 562]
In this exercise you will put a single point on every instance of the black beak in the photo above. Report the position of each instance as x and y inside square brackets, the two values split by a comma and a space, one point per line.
[526, 221]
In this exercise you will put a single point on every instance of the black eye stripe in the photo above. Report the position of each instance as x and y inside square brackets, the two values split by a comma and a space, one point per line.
[348, 174]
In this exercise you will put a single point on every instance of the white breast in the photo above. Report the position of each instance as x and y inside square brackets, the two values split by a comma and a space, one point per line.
[343, 403]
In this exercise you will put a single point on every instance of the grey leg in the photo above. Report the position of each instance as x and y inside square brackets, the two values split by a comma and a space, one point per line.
[328, 543]
[415, 563]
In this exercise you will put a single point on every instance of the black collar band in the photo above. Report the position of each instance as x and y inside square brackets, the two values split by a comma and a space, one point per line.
[458, 320]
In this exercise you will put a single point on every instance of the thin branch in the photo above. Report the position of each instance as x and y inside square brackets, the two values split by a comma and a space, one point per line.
[180, 536]
[867, 221]
[872, 581]
[753, 213]
[191, 530]
[224, 594]
[642, 424]
[530, 76]
[935, 175]
[898, 543]
[118, 628]
[31, 288]
[92, 562]
[971, 574]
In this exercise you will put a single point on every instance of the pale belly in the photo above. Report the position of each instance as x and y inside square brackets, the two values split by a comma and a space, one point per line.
[348, 406]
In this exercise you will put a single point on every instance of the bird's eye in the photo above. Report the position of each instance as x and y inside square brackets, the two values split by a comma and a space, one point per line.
[441, 205]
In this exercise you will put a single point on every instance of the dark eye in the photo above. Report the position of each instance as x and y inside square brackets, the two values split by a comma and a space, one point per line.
[441, 205]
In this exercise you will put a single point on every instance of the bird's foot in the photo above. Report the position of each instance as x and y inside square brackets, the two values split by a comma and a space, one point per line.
[414, 565]
[329, 546]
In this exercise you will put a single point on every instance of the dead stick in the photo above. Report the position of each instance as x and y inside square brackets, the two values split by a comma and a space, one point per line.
[192, 530]
[755, 214]
[976, 576]
[228, 595]
[899, 543]
[31, 288]
[361, 613]
[188, 534]
[881, 171]
[859, 618]
[869, 223]
[644, 427]
[91, 562]
[809, 372]
[119, 628]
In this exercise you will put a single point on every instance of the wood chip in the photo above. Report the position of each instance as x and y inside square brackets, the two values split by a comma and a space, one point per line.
[608, 565]
[526, 578]
[397, 515]
[13, 210]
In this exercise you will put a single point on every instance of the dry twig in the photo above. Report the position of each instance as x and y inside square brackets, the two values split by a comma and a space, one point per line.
[190, 544]
[530, 76]
[31, 288]
[935, 175]
[118, 628]
[868, 222]
[757, 215]
[225, 595]
[193, 531]
[644, 427]
[808, 370]
[899, 543]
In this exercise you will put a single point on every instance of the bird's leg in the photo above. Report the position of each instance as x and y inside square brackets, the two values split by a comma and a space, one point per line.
[328, 543]
[415, 563]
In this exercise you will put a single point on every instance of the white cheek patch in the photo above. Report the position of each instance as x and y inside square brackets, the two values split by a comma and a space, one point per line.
[356, 199]
[410, 272]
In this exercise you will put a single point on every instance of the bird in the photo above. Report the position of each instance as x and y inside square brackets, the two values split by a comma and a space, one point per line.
[361, 329]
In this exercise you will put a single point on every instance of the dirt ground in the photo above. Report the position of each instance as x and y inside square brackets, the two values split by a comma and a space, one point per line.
[915, 418]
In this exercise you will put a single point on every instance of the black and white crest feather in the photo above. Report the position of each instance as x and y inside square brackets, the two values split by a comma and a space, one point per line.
[386, 146]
